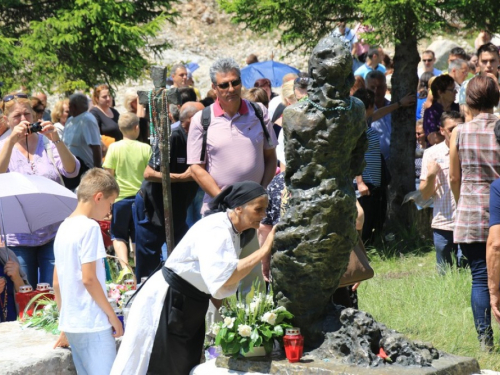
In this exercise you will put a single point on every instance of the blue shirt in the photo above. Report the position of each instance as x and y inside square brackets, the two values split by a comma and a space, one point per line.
[372, 174]
[364, 69]
[435, 72]
[383, 128]
[495, 203]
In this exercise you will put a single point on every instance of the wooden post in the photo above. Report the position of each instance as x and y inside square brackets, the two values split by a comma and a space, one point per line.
[159, 75]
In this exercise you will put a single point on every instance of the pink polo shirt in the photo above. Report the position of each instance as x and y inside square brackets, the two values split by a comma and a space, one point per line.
[235, 146]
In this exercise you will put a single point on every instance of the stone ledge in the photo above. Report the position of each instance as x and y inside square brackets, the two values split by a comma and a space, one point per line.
[28, 351]
[446, 365]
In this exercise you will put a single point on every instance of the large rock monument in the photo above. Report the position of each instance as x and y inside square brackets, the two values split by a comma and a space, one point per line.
[324, 148]
[325, 144]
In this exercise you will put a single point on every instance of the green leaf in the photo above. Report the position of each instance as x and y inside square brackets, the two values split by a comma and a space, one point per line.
[266, 331]
[258, 342]
[230, 336]
[255, 334]
[278, 330]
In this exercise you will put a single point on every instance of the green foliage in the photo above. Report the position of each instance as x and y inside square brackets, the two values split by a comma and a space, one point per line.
[303, 22]
[65, 45]
[45, 315]
[250, 323]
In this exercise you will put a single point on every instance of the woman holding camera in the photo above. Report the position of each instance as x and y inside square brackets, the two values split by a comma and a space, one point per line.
[34, 149]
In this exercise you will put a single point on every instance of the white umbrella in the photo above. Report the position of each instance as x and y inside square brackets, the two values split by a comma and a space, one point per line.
[29, 203]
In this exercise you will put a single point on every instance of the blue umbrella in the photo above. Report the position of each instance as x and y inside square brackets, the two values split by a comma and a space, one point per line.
[272, 70]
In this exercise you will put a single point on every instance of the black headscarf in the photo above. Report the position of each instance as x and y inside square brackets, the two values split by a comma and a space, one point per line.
[234, 196]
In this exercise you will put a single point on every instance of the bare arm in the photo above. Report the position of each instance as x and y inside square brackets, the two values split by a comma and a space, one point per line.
[362, 188]
[427, 187]
[96, 155]
[182, 177]
[67, 158]
[270, 164]
[493, 265]
[203, 178]
[455, 167]
[247, 264]
[151, 175]
[406, 101]
[262, 235]
[62, 341]
[11, 269]
[93, 286]
[17, 132]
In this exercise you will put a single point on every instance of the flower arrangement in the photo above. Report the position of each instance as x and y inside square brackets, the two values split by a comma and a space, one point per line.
[45, 315]
[117, 292]
[251, 323]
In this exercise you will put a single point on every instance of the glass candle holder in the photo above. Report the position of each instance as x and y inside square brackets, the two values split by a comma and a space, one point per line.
[294, 344]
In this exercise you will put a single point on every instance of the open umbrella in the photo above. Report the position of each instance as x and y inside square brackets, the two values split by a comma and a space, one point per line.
[29, 203]
[272, 70]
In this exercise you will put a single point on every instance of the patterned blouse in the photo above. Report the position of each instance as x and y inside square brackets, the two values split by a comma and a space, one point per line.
[479, 155]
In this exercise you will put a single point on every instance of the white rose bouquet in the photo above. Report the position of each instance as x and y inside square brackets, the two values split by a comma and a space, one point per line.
[251, 323]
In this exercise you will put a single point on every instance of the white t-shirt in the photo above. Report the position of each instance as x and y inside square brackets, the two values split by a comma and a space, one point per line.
[79, 241]
[273, 105]
[207, 255]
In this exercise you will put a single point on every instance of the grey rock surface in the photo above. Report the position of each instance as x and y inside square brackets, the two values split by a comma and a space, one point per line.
[445, 365]
[27, 351]
[360, 338]
[442, 50]
[324, 151]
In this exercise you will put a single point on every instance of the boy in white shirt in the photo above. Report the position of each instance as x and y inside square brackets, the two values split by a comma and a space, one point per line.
[87, 320]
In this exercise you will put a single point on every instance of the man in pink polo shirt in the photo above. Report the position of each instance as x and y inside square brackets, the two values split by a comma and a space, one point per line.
[236, 147]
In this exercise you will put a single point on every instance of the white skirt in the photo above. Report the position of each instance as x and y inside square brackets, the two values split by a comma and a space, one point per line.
[142, 323]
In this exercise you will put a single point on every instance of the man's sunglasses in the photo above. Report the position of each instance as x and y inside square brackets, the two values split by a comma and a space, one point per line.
[8, 98]
[425, 60]
[225, 85]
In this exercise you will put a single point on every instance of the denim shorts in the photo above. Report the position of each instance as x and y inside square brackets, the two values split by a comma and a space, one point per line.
[122, 223]
[93, 352]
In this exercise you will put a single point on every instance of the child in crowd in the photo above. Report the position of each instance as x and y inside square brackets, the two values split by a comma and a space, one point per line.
[87, 320]
[126, 160]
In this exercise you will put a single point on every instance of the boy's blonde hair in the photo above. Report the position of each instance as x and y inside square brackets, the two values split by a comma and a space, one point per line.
[95, 181]
[127, 122]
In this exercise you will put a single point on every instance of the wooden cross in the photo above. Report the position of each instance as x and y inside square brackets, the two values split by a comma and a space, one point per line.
[159, 76]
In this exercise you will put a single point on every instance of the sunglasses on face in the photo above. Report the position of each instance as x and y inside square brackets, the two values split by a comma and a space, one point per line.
[426, 60]
[225, 85]
[8, 98]
[39, 110]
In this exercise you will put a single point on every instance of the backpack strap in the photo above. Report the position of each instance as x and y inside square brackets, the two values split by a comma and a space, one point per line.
[205, 122]
[260, 116]
[206, 119]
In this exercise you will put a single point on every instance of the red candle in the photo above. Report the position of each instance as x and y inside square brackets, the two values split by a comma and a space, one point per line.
[25, 294]
[294, 344]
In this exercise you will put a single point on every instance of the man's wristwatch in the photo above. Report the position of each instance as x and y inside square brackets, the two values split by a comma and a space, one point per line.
[56, 142]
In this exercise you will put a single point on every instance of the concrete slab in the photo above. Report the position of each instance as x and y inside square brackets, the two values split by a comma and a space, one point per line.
[446, 365]
[27, 351]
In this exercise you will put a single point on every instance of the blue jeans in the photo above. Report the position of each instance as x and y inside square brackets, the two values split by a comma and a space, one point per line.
[93, 352]
[447, 252]
[35, 259]
[149, 239]
[480, 296]
[193, 213]
[122, 224]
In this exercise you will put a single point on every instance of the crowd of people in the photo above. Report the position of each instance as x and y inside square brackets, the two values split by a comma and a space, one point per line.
[227, 159]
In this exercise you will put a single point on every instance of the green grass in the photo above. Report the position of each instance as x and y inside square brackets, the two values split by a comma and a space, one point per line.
[409, 296]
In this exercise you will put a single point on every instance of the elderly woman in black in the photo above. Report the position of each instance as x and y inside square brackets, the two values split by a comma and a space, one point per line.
[166, 324]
